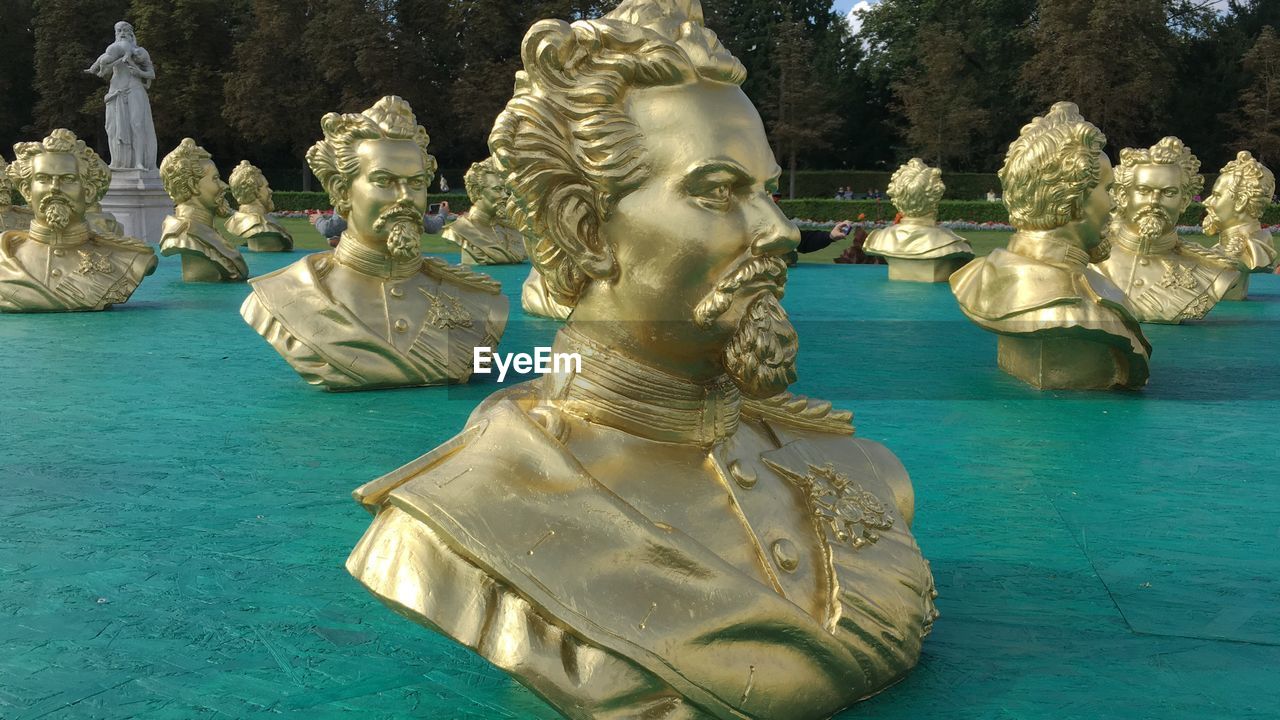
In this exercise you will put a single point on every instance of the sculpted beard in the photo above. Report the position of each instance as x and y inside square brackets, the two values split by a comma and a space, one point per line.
[1210, 223]
[404, 238]
[55, 211]
[1151, 222]
[760, 358]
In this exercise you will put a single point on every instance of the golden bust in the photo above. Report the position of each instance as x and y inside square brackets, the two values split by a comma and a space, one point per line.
[661, 531]
[62, 263]
[1167, 280]
[915, 248]
[374, 313]
[1060, 324]
[12, 217]
[250, 222]
[192, 181]
[536, 299]
[483, 234]
[1233, 213]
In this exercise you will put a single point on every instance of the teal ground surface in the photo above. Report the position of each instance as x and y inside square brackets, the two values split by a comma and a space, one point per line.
[175, 512]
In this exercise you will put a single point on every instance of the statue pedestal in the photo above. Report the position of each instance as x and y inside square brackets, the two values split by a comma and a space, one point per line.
[269, 242]
[198, 268]
[137, 199]
[1239, 290]
[930, 271]
[1062, 363]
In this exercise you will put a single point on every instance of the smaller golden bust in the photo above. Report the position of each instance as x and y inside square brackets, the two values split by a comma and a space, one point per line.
[192, 181]
[12, 217]
[62, 262]
[536, 299]
[1233, 213]
[1167, 280]
[1061, 324]
[483, 234]
[374, 313]
[916, 249]
[250, 223]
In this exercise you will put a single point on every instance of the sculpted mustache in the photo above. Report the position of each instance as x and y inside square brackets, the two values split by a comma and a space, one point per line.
[770, 269]
[396, 212]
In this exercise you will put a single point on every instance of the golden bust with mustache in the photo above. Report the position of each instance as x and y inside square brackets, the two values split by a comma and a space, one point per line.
[63, 261]
[250, 224]
[1166, 280]
[374, 313]
[192, 181]
[1233, 213]
[663, 532]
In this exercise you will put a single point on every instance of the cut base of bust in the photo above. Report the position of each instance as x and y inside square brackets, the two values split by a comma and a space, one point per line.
[269, 242]
[930, 271]
[1239, 290]
[1063, 363]
[198, 268]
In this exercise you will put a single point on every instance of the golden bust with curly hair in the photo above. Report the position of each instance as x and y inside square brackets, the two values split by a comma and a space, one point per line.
[1233, 213]
[484, 234]
[62, 261]
[200, 197]
[1167, 280]
[915, 248]
[1060, 324]
[250, 223]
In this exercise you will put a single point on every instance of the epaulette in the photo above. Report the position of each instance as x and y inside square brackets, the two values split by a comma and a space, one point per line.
[438, 268]
[799, 411]
[1214, 256]
[10, 240]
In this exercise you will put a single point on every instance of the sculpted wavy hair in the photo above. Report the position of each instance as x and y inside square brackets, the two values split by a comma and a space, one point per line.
[474, 179]
[565, 141]
[180, 170]
[246, 182]
[1051, 168]
[95, 176]
[334, 159]
[916, 188]
[1169, 151]
[1252, 184]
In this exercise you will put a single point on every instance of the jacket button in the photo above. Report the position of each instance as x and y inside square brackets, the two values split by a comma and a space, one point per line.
[401, 325]
[396, 291]
[745, 477]
[786, 555]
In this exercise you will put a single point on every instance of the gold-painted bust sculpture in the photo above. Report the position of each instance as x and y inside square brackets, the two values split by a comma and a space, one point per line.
[483, 233]
[915, 248]
[374, 313]
[61, 262]
[12, 217]
[250, 222]
[1167, 280]
[662, 531]
[192, 181]
[536, 298]
[1233, 213]
[1061, 325]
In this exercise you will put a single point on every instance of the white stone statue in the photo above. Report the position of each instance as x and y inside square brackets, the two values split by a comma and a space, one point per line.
[130, 130]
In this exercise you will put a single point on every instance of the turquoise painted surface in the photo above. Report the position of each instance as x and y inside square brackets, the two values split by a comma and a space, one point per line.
[175, 511]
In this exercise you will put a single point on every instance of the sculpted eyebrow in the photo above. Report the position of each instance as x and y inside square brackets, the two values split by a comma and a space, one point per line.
[703, 170]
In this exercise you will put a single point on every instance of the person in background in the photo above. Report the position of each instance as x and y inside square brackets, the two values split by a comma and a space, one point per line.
[815, 240]
[331, 225]
[991, 196]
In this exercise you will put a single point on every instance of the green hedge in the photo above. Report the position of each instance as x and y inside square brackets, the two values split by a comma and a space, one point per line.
[979, 211]
[289, 200]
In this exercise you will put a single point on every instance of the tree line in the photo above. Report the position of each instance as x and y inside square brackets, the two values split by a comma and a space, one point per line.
[948, 80]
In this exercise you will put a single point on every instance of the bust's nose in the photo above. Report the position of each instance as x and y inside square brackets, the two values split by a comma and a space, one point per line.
[774, 233]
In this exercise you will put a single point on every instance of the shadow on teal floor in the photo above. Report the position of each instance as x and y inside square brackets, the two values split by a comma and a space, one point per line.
[175, 512]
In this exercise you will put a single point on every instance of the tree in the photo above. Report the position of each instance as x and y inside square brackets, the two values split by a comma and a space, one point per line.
[68, 36]
[801, 121]
[17, 73]
[1113, 58]
[1257, 122]
[941, 100]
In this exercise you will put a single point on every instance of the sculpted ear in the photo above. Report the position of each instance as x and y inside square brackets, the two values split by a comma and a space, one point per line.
[573, 223]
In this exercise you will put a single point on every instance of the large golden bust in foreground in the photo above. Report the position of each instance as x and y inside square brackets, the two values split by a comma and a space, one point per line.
[1233, 213]
[374, 313]
[662, 532]
[192, 181]
[483, 234]
[61, 263]
[916, 248]
[1060, 323]
[250, 224]
[1167, 280]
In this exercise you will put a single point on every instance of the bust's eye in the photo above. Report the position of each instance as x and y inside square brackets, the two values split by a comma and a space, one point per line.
[717, 196]
[418, 183]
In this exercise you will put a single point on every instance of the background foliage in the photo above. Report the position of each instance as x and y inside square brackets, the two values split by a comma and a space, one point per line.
[947, 80]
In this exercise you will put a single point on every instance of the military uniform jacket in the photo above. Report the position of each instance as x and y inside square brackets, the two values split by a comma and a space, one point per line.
[607, 614]
[1169, 281]
[1252, 246]
[909, 241]
[181, 236]
[249, 221]
[494, 244]
[94, 275]
[295, 310]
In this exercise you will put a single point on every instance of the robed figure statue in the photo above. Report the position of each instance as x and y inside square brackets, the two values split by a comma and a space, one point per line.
[130, 130]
